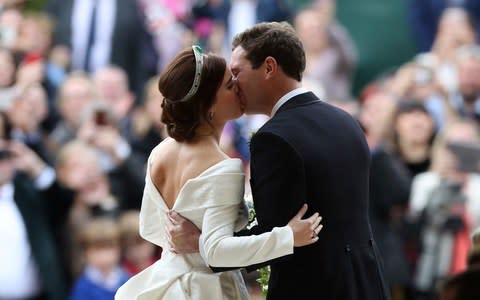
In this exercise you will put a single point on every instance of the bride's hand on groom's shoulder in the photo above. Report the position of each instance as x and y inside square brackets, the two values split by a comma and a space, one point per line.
[305, 231]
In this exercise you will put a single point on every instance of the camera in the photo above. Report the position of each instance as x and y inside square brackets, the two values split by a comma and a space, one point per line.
[467, 155]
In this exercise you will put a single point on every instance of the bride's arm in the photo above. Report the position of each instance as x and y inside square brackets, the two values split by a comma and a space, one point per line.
[221, 249]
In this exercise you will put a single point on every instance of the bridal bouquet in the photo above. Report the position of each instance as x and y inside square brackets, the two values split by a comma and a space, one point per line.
[264, 273]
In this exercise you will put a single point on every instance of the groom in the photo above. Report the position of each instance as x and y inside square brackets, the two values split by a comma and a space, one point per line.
[309, 151]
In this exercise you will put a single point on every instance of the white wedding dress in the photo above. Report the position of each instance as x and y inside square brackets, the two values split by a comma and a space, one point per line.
[212, 201]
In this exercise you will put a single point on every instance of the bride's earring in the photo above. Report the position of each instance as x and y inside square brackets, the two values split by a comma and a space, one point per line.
[210, 115]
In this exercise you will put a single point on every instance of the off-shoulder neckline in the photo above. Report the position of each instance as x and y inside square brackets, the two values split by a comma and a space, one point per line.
[180, 192]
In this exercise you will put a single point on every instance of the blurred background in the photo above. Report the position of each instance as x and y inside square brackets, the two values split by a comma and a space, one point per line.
[80, 113]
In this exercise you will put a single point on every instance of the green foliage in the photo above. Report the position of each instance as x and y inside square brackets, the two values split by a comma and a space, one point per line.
[263, 279]
[264, 273]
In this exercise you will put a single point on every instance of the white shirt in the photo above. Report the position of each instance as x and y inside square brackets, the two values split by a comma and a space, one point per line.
[287, 97]
[18, 272]
[105, 22]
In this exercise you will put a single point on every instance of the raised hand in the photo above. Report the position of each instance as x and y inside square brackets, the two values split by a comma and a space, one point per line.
[25, 159]
[305, 231]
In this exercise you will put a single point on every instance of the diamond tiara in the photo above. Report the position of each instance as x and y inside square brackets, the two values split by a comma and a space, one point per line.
[197, 51]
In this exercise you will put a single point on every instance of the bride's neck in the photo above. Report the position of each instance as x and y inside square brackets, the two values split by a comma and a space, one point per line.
[207, 133]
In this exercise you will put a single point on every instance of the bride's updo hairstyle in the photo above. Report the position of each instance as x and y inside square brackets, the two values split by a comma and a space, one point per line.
[189, 85]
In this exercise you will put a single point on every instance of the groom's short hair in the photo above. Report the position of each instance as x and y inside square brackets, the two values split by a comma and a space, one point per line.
[278, 40]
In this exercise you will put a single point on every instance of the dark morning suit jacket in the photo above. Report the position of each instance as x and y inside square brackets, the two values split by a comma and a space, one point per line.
[43, 213]
[312, 152]
[131, 49]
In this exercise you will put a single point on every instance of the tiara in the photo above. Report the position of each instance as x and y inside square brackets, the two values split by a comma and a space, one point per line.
[197, 51]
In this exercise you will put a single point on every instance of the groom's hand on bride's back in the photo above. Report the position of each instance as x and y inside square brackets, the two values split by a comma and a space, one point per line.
[182, 234]
[305, 231]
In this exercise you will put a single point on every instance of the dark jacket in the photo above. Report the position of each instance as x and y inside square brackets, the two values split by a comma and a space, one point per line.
[312, 152]
[44, 214]
[132, 48]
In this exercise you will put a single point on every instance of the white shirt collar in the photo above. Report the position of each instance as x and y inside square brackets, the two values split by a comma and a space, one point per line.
[287, 97]
[109, 281]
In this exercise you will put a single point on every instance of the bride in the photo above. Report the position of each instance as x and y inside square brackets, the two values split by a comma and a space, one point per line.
[189, 173]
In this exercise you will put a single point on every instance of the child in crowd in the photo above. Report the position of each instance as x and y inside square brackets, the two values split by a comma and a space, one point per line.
[138, 253]
[102, 274]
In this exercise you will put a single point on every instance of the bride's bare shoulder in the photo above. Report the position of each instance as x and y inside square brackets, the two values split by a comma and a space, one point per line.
[173, 163]
[184, 160]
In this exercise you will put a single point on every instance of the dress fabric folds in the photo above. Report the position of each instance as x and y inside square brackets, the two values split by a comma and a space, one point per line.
[213, 201]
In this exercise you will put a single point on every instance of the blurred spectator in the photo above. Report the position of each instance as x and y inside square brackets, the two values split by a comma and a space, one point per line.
[78, 168]
[167, 21]
[112, 88]
[466, 98]
[464, 286]
[474, 253]
[36, 33]
[413, 134]
[330, 52]
[425, 15]
[28, 110]
[11, 3]
[102, 274]
[138, 254]
[418, 81]
[455, 30]
[36, 41]
[243, 14]
[216, 22]
[75, 94]
[125, 168]
[236, 136]
[33, 208]
[445, 201]
[8, 68]
[234, 140]
[376, 115]
[10, 23]
[389, 194]
[147, 129]
[100, 33]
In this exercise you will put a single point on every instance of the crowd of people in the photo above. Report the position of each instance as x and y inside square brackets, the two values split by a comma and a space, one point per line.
[80, 112]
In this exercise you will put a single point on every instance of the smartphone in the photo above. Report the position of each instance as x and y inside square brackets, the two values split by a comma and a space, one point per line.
[101, 118]
[467, 155]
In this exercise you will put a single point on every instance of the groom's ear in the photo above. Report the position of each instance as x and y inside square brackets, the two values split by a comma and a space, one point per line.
[271, 67]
